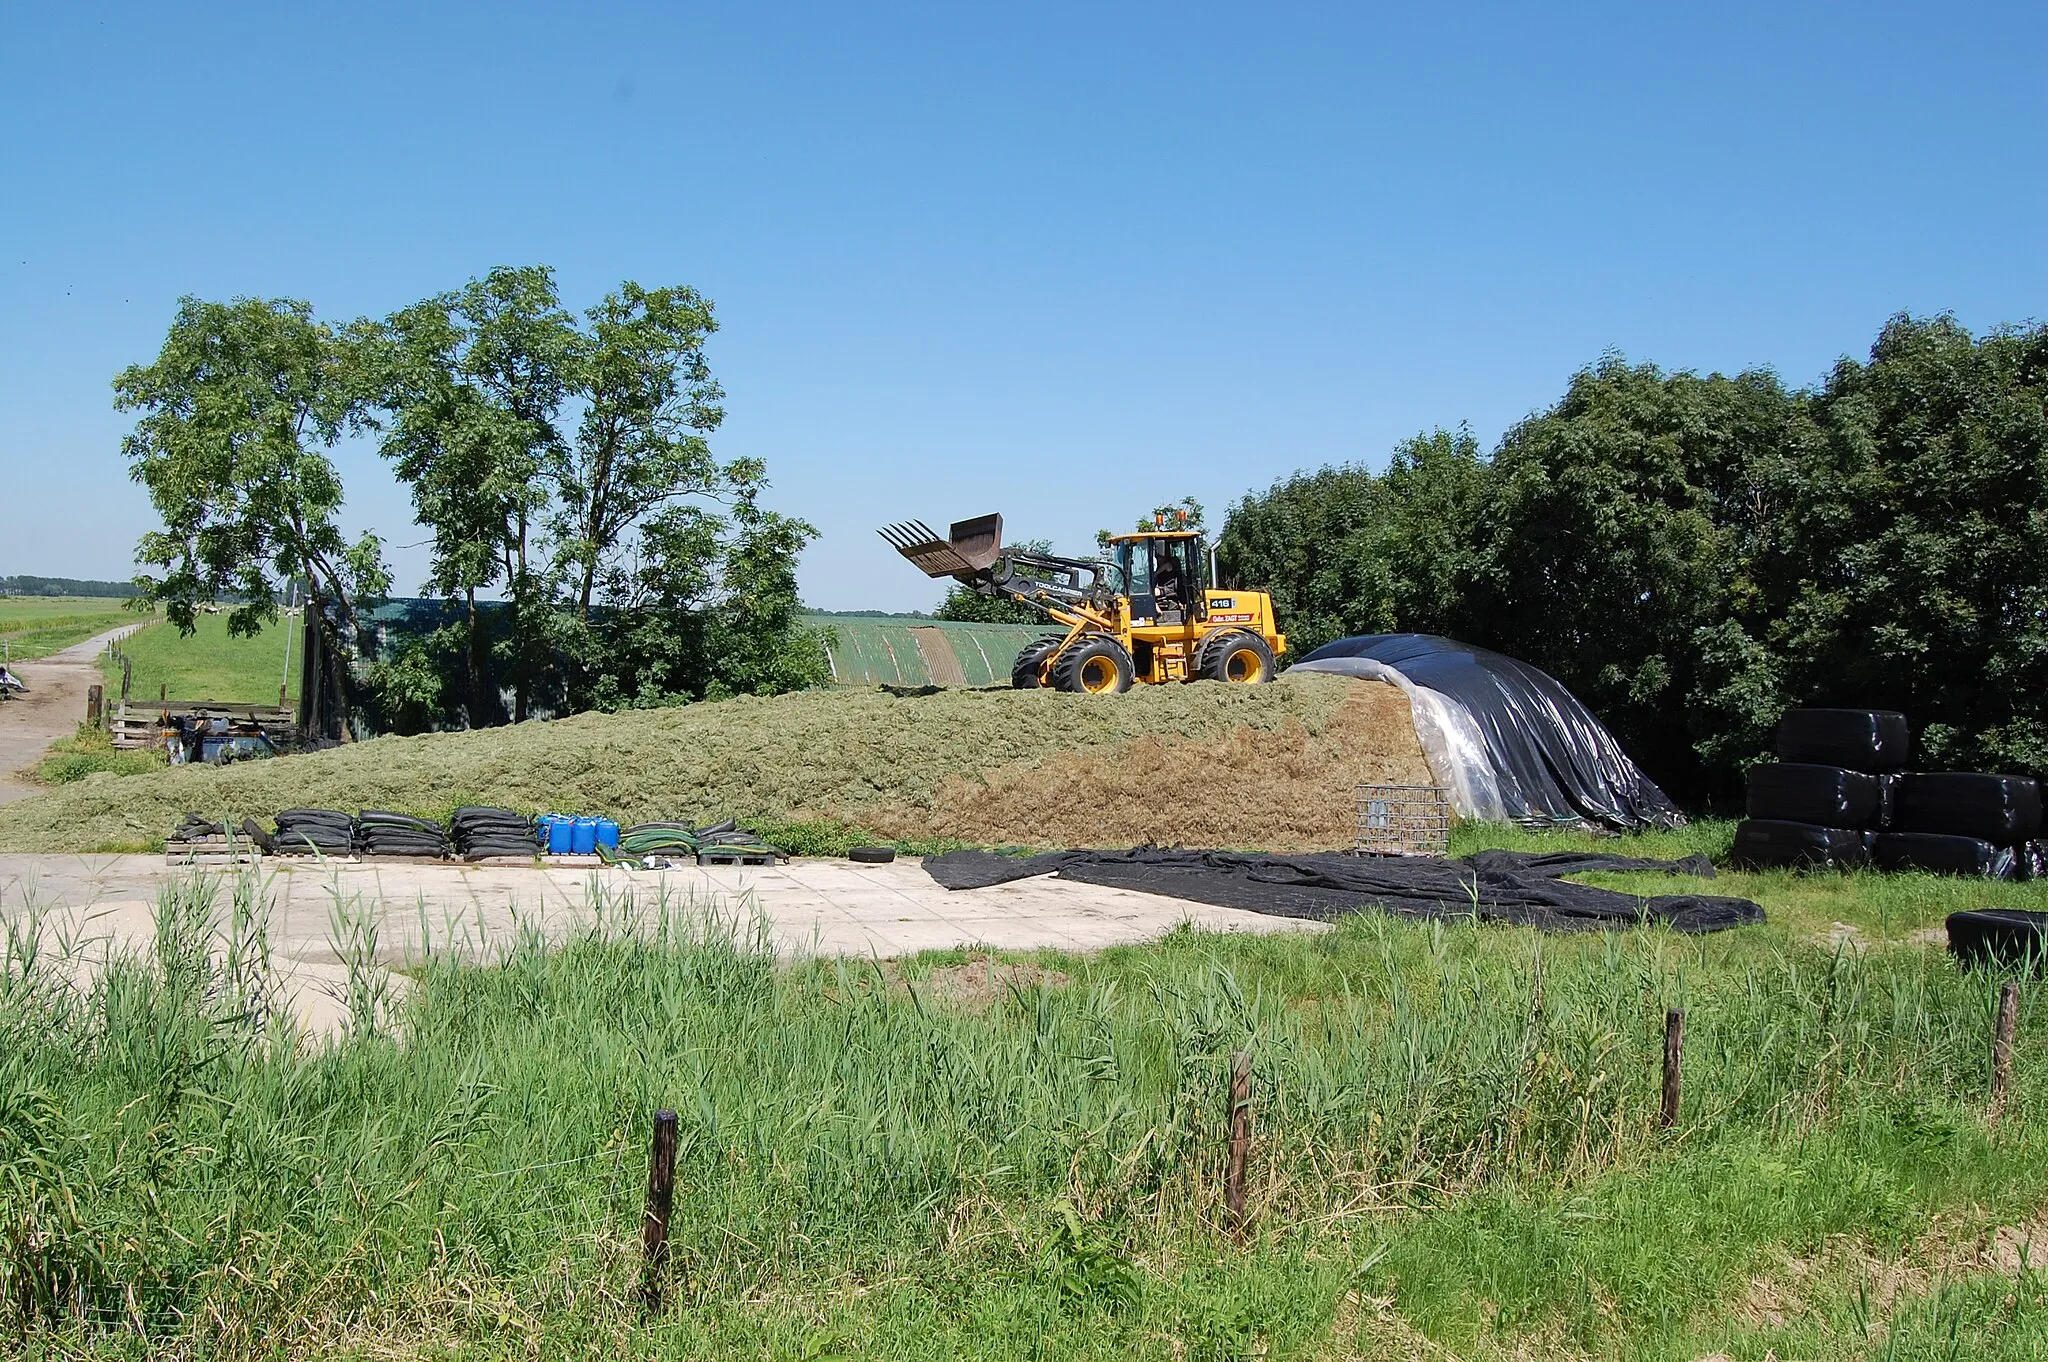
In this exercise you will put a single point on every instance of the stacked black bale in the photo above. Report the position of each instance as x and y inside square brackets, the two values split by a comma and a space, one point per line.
[307, 832]
[1964, 823]
[481, 832]
[1823, 803]
[399, 834]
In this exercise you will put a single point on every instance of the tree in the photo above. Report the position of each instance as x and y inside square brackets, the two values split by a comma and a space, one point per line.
[1345, 551]
[1906, 565]
[649, 402]
[1612, 536]
[1695, 555]
[475, 382]
[238, 410]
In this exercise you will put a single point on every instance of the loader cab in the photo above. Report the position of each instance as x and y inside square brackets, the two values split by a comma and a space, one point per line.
[1163, 574]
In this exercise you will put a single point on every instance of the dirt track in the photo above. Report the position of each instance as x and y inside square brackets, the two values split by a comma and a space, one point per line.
[53, 708]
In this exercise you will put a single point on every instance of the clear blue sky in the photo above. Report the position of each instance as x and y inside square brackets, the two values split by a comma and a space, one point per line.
[1058, 261]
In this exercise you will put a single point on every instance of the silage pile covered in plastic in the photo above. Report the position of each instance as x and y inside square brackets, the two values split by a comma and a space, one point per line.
[816, 754]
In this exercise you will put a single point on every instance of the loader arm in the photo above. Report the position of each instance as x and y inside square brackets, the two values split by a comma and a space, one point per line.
[1071, 591]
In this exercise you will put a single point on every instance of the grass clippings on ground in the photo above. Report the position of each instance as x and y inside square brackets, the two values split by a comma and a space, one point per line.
[826, 754]
[1276, 789]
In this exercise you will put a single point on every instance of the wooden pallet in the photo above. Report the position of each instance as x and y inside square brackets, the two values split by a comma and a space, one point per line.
[136, 724]
[212, 851]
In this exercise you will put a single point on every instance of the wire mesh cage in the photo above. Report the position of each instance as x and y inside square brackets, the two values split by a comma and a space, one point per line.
[1403, 820]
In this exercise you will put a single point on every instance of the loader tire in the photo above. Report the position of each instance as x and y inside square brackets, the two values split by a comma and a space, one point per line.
[1235, 656]
[1094, 666]
[1030, 660]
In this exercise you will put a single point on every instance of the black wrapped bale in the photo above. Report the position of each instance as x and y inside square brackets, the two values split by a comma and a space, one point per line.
[2033, 859]
[1943, 854]
[1997, 937]
[2001, 809]
[1874, 740]
[1775, 843]
[1831, 796]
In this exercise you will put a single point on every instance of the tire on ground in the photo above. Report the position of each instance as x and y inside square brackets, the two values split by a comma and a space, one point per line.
[1094, 666]
[1235, 655]
[1024, 671]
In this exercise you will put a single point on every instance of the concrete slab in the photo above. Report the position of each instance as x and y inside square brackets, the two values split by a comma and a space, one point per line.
[322, 915]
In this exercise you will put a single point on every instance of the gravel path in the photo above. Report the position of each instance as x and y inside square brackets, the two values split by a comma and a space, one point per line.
[53, 708]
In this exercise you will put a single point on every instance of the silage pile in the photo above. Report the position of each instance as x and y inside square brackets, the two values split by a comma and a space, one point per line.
[1234, 766]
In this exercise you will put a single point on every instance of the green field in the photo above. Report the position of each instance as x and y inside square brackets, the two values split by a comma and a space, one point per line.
[36, 626]
[1454, 1152]
[208, 665]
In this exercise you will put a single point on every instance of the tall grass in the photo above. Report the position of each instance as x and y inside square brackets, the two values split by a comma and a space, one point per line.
[1454, 1125]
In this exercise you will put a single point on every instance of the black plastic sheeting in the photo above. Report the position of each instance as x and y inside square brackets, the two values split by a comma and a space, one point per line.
[1832, 796]
[1519, 887]
[1944, 854]
[1874, 740]
[2002, 809]
[1555, 762]
[1998, 937]
[1785, 844]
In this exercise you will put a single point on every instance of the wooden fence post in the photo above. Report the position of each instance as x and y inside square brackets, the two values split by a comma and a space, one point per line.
[95, 697]
[1674, 1065]
[661, 1188]
[2001, 1048]
[1240, 1138]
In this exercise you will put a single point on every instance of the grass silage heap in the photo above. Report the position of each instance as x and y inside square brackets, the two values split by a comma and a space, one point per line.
[1209, 764]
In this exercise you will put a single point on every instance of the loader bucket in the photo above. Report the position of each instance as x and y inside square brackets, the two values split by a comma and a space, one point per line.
[971, 550]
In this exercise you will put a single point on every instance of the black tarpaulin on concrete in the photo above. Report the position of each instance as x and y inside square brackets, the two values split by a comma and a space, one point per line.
[1524, 888]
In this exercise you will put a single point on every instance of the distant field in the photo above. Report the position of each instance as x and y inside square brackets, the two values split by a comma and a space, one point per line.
[209, 665]
[36, 626]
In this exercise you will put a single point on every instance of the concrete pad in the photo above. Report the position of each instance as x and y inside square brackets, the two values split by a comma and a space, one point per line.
[321, 915]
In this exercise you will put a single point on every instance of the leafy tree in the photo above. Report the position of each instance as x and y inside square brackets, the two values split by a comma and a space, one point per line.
[1606, 542]
[1344, 551]
[237, 413]
[1694, 555]
[475, 382]
[649, 402]
[1906, 564]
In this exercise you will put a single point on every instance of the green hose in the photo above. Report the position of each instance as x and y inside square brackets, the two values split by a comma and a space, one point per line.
[676, 839]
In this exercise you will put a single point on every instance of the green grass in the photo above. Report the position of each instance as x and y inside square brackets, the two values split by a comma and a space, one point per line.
[208, 665]
[36, 626]
[1455, 1152]
[91, 752]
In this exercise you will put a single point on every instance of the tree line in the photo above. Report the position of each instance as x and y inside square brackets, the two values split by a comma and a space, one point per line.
[560, 462]
[1694, 555]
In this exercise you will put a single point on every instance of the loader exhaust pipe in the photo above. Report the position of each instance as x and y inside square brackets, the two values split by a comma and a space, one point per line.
[969, 550]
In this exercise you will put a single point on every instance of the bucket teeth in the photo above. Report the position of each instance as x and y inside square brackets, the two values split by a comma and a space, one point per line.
[921, 544]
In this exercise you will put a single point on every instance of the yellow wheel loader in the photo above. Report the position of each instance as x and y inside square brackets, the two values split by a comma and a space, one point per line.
[1149, 612]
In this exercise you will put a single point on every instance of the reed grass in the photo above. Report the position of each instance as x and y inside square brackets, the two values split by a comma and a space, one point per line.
[1455, 1151]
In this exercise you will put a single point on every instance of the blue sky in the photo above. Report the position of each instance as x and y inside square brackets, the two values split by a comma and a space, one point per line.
[1057, 261]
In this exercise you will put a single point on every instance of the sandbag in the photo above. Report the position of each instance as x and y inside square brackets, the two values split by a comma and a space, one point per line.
[1943, 854]
[1831, 796]
[1776, 843]
[1874, 740]
[2001, 809]
[1997, 937]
